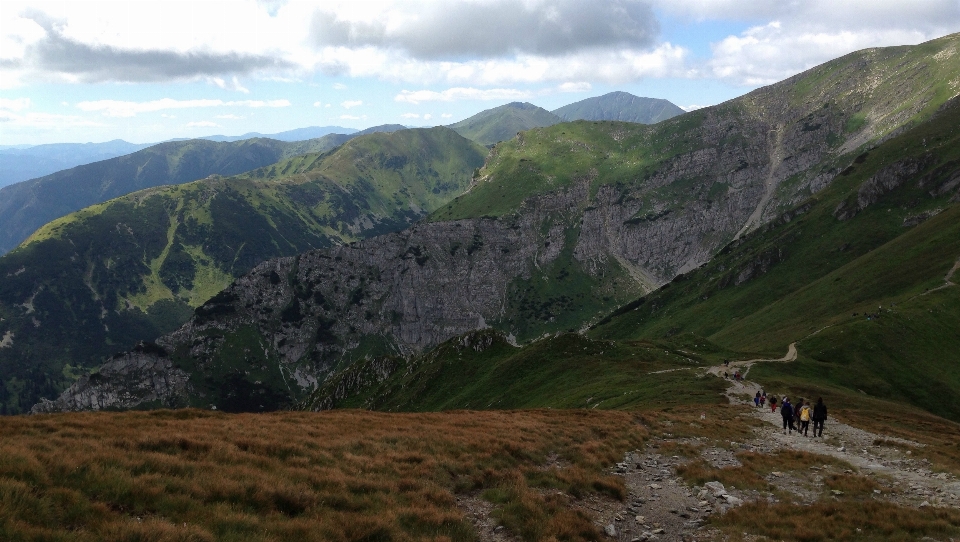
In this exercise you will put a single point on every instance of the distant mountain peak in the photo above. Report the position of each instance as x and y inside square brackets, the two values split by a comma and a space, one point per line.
[503, 122]
[621, 106]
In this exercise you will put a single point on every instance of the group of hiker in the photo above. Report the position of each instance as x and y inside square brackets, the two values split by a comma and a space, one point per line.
[798, 417]
[795, 417]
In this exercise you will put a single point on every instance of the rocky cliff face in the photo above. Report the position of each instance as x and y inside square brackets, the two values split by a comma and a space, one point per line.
[140, 378]
[565, 253]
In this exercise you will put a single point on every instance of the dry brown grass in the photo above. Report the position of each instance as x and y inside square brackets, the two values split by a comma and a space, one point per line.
[755, 467]
[681, 449]
[852, 484]
[938, 435]
[839, 521]
[720, 423]
[344, 475]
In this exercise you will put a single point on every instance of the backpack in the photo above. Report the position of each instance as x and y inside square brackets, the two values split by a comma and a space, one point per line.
[805, 414]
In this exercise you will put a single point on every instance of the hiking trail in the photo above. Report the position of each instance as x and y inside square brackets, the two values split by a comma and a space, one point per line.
[913, 481]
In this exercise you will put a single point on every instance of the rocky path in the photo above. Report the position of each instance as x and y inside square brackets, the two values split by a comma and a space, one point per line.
[662, 507]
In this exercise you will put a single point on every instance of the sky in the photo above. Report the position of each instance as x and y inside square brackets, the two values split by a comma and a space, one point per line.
[147, 71]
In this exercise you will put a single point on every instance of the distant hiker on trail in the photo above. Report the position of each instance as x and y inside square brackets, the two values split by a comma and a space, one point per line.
[725, 375]
[796, 414]
[819, 416]
[756, 400]
[763, 399]
[773, 404]
[786, 411]
[805, 418]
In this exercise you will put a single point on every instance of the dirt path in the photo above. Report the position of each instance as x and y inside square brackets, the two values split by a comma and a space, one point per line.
[912, 481]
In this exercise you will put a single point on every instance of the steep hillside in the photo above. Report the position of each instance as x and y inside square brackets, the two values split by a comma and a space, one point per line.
[481, 370]
[26, 206]
[561, 225]
[621, 106]
[94, 282]
[502, 123]
[861, 276]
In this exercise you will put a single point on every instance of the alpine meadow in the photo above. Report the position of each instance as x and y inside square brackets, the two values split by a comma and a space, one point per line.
[570, 314]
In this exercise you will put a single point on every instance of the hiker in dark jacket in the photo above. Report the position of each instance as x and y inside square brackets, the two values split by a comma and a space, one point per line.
[786, 411]
[819, 416]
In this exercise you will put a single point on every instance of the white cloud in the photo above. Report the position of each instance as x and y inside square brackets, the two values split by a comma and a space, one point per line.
[14, 104]
[446, 115]
[43, 120]
[233, 84]
[461, 93]
[230, 117]
[581, 86]
[166, 116]
[410, 116]
[772, 52]
[116, 108]
[351, 103]
[692, 107]
[201, 124]
[795, 36]
[339, 86]
[610, 66]
[352, 117]
[428, 116]
[317, 104]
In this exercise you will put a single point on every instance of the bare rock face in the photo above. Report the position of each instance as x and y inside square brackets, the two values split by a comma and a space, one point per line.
[143, 376]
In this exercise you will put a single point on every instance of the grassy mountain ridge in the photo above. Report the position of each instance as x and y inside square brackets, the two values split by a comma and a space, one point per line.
[620, 106]
[94, 282]
[26, 206]
[502, 123]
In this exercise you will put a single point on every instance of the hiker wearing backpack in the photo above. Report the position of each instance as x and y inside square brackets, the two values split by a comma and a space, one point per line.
[805, 418]
[756, 400]
[763, 399]
[773, 404]
[819, 416]
[786, 411]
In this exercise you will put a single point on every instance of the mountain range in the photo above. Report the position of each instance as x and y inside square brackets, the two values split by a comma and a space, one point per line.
[779, 217]
[26, 206]
[20, 163]
[504, 122]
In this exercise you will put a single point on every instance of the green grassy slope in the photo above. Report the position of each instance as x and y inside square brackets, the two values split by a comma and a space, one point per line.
[94, 282]
[502, 123]
[26, 206]
[481, 370]
[820, 277]
[621, 106]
